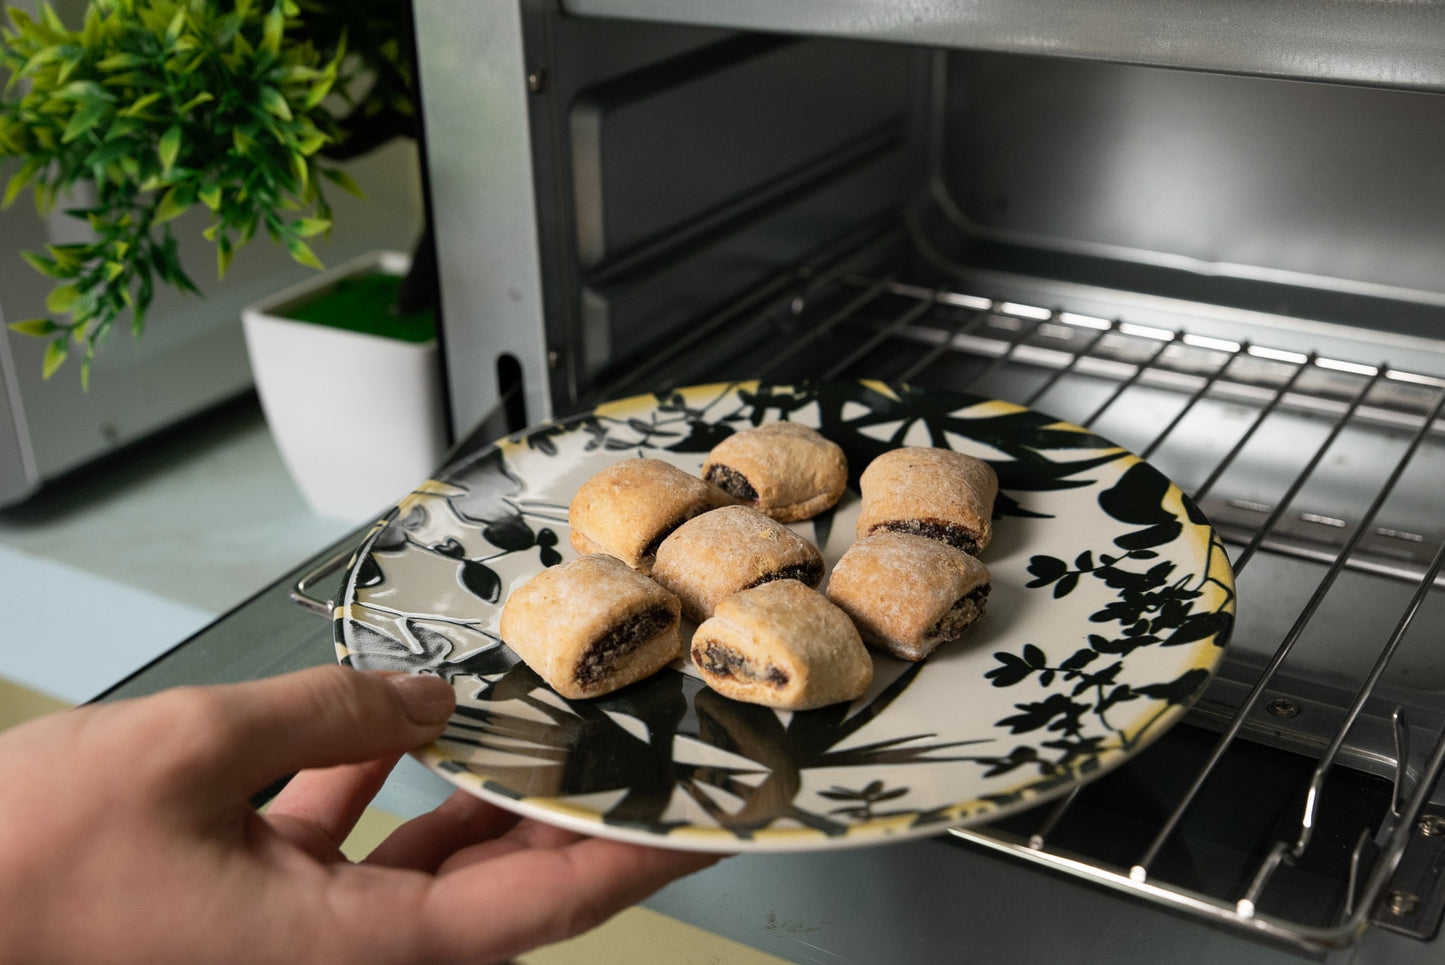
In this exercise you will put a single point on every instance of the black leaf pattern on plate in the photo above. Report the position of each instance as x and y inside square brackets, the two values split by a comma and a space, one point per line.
[625, 742]
[1151, 607]
[480, 580]
[511, 534]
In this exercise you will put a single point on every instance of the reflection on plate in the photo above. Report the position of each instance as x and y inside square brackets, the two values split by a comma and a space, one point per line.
[1112, 600]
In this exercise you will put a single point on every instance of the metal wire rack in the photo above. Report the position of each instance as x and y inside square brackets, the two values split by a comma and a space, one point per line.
[1320, 472]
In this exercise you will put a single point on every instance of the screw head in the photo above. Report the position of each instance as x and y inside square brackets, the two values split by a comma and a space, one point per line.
[1402, 903]
[537, 81]
[1283, 708]
[1431, 824]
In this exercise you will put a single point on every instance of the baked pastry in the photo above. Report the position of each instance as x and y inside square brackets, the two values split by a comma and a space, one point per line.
[938, 493]
[909, 594]
[715, 555]
[784, 469]
[628, 508]
[783, 645]
[592, 625]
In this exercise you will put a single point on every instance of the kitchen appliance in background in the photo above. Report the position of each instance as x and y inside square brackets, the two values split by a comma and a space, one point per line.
[192, 356]
[1211, 233]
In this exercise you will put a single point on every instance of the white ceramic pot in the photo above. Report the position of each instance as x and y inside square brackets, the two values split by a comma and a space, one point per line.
[358, 418]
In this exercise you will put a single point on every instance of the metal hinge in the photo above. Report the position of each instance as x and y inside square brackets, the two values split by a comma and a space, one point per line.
[1414, 900]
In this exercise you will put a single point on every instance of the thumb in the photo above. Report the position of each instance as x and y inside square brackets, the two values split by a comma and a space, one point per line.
[267, 729]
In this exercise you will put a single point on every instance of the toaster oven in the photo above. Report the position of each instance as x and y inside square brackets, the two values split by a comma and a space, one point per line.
[1209, 232]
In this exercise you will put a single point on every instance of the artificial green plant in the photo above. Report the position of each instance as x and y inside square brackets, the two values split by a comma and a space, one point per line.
[152, 107]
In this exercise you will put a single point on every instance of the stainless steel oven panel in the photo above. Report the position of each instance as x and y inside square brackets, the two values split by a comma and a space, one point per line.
[1304, 198]
[643, 165]
[1353, 41]
[608, 181]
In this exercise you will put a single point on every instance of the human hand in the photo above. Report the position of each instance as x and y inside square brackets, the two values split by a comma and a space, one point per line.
[126, 836]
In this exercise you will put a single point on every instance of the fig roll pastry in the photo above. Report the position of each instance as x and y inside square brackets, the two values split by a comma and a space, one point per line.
[592, 625]
[909, 594]
[782, 645]
[937, 493]
[628, 508]
[787, 470]
[715, 555]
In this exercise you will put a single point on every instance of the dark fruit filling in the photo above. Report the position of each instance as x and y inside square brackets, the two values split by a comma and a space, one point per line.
[810, 573]
[729, 480]
[721, 661]
[649, 552]
[961, 615]
[951, 533]
[621, 640]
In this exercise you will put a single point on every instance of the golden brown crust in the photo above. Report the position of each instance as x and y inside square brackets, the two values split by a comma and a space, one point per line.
[715, 555]
[784, 469]
[908, 594]
[937, 493]
[783, 645]
[626, 509]
[592, 625]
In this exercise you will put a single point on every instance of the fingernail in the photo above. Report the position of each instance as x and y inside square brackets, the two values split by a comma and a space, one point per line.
[426, 699]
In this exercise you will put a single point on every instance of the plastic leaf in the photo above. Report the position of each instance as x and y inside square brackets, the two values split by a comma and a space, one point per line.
[311, 227]
[67, 257]
[172, 205]
[210, 196]
[46, 266]
[275, 103]
[86, 116]
[317, 93]
[55, 354]
[67, 67]
[169, 147]
[20, 179]
[224, 251]
[204, 97]
[302, 253]
[62, 299]
[343, 181]
[51, 19]
[34, 326]
[122, 61]
[177, 24]
[275, 24]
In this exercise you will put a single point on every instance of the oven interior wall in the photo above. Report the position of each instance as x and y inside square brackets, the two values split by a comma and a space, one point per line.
[1319, 201]
[694, 176]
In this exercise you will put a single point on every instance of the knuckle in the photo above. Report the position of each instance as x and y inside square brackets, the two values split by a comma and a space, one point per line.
[344, 696]
[193, 730]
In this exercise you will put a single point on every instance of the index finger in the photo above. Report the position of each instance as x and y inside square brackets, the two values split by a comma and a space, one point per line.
[246, 735]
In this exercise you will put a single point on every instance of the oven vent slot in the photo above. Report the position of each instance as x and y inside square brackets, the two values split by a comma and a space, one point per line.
[1320, 471]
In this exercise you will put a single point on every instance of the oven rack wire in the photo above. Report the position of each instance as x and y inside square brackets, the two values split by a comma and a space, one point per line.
[836, 324]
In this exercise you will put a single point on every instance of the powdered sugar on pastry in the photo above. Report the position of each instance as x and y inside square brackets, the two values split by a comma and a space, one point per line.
[627, 509]
[784, 469]
[909, 594]
[783, 645]
[937, 493]
[726, 550]
[592, 625]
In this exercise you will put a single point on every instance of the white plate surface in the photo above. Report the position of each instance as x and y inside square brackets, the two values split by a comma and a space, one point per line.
[1112, 601]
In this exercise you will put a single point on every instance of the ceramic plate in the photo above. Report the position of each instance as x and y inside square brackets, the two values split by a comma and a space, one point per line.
[1112, 601]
